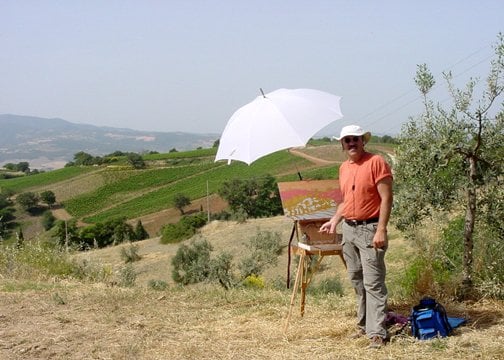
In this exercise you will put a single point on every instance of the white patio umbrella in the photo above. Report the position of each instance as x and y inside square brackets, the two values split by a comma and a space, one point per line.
[278, 120]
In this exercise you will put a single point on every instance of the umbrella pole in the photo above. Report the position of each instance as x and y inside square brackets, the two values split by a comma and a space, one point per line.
[299, 174]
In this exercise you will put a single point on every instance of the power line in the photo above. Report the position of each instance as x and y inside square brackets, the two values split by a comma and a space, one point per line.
[401, 96]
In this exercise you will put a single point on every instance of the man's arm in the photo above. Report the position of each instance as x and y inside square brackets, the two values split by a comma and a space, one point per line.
[330, 226]
[384, 187]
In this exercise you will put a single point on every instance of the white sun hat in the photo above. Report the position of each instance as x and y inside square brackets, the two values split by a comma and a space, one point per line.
[354, 130]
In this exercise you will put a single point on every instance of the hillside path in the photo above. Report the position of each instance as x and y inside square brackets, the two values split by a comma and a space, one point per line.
[313, 159]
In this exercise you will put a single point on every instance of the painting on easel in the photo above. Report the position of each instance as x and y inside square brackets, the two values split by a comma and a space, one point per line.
[310, 199]
[310, 203]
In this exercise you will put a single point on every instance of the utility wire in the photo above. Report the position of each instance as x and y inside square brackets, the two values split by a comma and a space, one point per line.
[417, 98]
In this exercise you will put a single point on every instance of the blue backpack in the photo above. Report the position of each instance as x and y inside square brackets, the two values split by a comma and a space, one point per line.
[429, 320]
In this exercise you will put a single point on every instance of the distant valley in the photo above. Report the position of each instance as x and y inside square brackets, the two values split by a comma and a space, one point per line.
[50, 143]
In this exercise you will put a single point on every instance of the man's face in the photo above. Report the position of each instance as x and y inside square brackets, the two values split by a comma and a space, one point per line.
[353, 146]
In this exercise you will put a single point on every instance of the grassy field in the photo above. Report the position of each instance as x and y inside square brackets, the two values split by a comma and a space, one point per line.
[50, 318]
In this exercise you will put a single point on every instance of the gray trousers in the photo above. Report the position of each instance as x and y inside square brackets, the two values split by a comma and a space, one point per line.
[366, 269]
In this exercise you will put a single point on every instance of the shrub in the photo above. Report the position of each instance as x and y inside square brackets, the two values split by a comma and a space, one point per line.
[28, 201]
[140, 232]
[111, 232]
[253, 282]
[191, 263]
[130, 254]
[48, 220]
[184, 229]
[264, 250]
[127, 276]
[48, 197]
[181, 201]
[221, 270]
[158, 285]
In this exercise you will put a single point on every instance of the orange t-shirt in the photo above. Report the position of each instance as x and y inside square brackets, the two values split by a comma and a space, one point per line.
[361, 199]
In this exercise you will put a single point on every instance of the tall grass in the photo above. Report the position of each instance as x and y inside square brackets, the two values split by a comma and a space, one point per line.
[42, 261]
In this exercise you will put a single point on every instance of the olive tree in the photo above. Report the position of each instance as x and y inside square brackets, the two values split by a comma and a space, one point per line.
[451, 159]
[181, 201]
[258, 197]
[48, 197]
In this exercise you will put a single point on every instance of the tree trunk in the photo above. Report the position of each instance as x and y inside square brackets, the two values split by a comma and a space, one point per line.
[470, 217]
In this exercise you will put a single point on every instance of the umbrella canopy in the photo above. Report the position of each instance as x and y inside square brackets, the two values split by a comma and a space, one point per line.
[278, 120]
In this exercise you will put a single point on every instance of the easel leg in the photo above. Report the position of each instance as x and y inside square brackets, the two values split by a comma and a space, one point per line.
[299, 276]
[304, 284]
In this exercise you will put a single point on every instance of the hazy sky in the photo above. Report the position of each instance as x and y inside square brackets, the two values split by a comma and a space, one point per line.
[187, 65]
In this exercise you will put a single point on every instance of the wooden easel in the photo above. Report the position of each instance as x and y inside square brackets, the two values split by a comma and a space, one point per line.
[309, 203]
[304, 275]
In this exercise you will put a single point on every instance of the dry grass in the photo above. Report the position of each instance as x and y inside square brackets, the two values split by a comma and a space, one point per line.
[205, 322]
[65, 320]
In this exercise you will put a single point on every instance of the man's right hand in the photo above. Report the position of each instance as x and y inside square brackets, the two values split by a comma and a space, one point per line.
[328, 227]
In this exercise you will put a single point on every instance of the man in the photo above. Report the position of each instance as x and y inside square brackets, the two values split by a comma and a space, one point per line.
[366, 185]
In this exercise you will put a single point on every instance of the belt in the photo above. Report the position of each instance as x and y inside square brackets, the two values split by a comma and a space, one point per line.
[361, 222]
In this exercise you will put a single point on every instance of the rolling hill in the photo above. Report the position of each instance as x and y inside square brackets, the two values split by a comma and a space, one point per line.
[50, 143]
[94, 194]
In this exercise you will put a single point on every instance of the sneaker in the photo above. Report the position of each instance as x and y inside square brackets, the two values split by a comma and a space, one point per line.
[358, 334]
[376, 342]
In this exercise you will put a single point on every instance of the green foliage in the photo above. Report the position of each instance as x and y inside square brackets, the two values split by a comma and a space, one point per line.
[130, 253]
[264, 249]
[181, 201]
[191, 263]
[451, 160]
[136, 161]
[253, 282]
[36, 260]
[140, 232]
[451, 245]
[28, 200]
[21, 167]
[221, 270]
[48, 197]
[6, 215]
[184, 229]
[258, 197]
[111, 232]
[82, 158]
[48, 220]
[436, 268]
[489, 257]
[66, 232]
